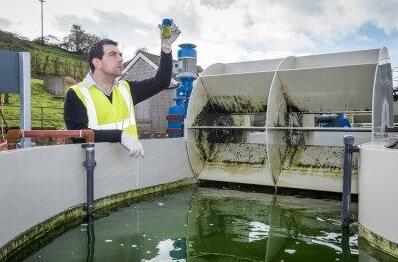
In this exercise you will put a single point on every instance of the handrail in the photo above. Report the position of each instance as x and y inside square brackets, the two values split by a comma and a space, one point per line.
[324, 129]
[14, 134]
[284, 128]
[244, 128]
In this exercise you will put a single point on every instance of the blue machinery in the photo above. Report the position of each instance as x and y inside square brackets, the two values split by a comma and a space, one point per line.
[332, 120]
[186, 75]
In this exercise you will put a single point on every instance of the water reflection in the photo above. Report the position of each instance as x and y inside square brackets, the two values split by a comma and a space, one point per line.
[90, 241]
[151, 230]
[227, 225]
[215, 225]
[345, 244]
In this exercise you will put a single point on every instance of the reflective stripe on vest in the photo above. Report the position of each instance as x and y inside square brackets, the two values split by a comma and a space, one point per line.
[128, 124]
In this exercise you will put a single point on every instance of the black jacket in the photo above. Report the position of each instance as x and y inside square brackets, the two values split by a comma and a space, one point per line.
[75, 113]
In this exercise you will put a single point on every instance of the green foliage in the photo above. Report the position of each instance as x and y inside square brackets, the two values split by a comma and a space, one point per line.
[46, 59]
[52, 109]
[79, 40]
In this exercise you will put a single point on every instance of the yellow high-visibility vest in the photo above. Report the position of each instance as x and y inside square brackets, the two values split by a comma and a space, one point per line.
[103, 114]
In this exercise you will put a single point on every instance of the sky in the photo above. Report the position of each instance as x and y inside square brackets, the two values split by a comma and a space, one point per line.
[223, 30]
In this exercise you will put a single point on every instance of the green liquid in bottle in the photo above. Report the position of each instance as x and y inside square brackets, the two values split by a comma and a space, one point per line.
[166, 32]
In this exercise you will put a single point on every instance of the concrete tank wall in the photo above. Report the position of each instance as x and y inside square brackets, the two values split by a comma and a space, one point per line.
[38, 183]
[378, 196]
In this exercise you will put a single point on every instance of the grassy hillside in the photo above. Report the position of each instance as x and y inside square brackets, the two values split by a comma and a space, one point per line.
[52, 108]
[46, 60]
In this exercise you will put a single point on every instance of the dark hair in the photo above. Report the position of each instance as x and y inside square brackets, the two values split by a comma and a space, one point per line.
[97, 51]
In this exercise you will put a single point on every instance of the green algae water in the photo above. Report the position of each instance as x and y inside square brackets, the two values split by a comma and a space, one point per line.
[204, 224]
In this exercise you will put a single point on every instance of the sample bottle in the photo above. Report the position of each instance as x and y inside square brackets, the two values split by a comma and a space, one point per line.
[166, 28]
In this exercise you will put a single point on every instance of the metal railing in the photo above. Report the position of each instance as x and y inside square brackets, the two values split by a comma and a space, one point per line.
[40, 114]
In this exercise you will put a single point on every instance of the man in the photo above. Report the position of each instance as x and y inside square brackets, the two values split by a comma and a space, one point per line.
[105, 105]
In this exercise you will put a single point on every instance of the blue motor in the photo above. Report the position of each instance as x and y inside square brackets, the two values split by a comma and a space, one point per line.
[333, 120]
[186, 74]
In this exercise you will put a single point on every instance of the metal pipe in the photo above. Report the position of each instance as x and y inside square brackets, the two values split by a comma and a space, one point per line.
[283, 128]
[248, 128]
[25, 117]
[349, 148]
[90, 164]
[14, 134]
[324, 129]
[388, 129]
[325, 117]
[42, 31]
[339, 112]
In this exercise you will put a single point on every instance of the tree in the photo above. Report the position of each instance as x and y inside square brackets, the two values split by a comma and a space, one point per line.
[78, 40]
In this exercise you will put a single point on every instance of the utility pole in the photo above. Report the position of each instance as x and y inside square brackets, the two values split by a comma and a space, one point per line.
[42, 36]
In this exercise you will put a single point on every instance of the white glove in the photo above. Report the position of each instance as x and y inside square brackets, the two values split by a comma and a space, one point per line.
[166, 43]
[132, 144]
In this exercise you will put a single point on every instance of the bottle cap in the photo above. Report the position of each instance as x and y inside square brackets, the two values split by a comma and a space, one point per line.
[167, 22]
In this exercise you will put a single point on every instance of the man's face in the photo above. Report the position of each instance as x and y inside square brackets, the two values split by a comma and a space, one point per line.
[111, 62]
